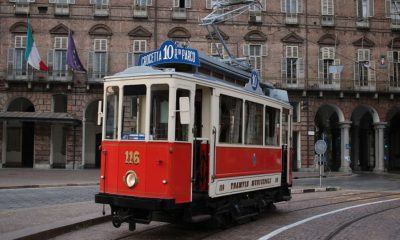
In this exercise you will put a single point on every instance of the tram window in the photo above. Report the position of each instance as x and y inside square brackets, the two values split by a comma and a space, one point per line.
[159, 112]
[181, 130]
[112, 94]
[254, 123]
[272, 126]
[230, 119]
[133, 115]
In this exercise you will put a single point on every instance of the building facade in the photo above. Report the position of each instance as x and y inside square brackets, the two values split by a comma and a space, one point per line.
[338, 59]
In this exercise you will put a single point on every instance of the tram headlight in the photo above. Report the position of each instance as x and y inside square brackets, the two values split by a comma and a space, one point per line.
[130, 179]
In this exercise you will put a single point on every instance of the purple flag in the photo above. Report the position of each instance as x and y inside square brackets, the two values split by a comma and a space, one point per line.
[73, 60]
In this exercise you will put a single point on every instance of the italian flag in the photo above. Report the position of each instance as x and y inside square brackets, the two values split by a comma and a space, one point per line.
[31, 52]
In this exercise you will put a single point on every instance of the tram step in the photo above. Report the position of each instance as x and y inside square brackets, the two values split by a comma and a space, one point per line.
[246, 216]
[200, 218]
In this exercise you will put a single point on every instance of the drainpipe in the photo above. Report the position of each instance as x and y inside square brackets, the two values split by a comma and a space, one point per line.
[155, 24]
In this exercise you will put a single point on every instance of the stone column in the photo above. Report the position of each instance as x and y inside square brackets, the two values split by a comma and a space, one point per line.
[379, 143]
[344, 149]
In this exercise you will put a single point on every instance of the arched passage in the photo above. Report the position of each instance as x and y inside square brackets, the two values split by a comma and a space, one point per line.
[392, 140]
[91, 137]
[363, 138]
[327, 126]
[20, 136]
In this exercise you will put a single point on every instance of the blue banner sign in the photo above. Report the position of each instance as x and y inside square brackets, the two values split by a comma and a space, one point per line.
[253, 84]
[170, 53]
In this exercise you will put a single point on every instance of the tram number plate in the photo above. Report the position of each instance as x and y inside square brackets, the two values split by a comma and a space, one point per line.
[132, 157]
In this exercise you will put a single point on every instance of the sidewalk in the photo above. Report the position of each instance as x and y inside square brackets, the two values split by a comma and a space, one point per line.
[49, 221]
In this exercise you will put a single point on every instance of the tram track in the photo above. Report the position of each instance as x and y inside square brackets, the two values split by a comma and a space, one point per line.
[209, 232]
[347, 224]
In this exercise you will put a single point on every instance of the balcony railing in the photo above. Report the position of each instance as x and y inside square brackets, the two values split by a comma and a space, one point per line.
[328, 20]
[292, 19]
[363, 23]
[22, 8]
[179, 13]
[329, 84]
[61, 9]
[60, 75]
[140, 11]
[96, 76]
[101, 10]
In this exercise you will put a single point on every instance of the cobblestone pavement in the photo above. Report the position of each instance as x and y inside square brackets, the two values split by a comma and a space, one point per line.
[31, 197]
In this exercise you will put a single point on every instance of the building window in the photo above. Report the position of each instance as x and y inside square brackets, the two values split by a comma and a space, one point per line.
[328, 74]
[364, 69]
[255, 53]
[327, 7]
[140, 8]
[230, 119]
[98, 60]
[392, 12]
[138, 48]
[16, 63]
[292, 66]
[365, 9]
[394, 68]
[61, 7]
[291, 8]
[217, 50]
[255, 11]
[100, 7]
[179, 8]
[57, 59]
[60, 103]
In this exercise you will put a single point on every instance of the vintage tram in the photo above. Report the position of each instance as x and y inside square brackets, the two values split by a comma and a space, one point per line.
[189, 138]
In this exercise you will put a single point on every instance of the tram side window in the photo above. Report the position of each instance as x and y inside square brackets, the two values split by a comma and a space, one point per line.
[230, 119]
[272, 126]
[133, 115]
[181, 130]
[159, 112]
[254, 123]
[112, 94]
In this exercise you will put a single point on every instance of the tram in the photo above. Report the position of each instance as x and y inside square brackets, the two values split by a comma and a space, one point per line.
[189, 138]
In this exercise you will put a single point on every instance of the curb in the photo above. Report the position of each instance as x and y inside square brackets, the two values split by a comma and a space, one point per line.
[49, 185]
[51, 231]
[311, 190]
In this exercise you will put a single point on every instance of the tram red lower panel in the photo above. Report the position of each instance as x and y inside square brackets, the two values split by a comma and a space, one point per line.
[163, 170]
[240, 161]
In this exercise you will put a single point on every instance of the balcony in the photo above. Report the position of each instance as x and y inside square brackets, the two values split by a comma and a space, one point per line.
[60, 75]
[363, 23]
[22, 8]
[101, 10]
[329, 84]
[140, 11]
[20, 74]
[292, 83]
[179, 13]
[61, 9]
[96, 76]
[327, 20]
[395, 22]
[364, 85]
[292, 19]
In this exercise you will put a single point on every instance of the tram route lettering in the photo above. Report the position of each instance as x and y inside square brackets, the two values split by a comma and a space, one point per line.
[252, 183]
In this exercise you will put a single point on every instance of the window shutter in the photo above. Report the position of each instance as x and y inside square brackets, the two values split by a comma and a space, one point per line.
[327, 7]
[300, 68]
[299, 6]
[90, 64]
[356, 74]
[149, 2]
[362, 55]
[264, 5]
[60, 42]
[106, 65]
[372, 71]
[100, 45]
[50, 60]
[10, 60]
[246, 50]
[336, 76]
[388, 8]
[390, 56]
[208, 4]
[359, 9]
[320, 69]
[130, 60]
[188, 3]
[371, 8]
[264, 50]
[175, 3]
[284, 68]
[283, 6]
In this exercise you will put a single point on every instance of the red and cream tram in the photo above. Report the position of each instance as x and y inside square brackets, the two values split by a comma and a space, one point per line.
[191, 140]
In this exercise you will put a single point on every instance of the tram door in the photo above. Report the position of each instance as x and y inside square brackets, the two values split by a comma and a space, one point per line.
[201, 143]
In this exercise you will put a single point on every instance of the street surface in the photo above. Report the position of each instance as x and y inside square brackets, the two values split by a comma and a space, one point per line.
[368, 207]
